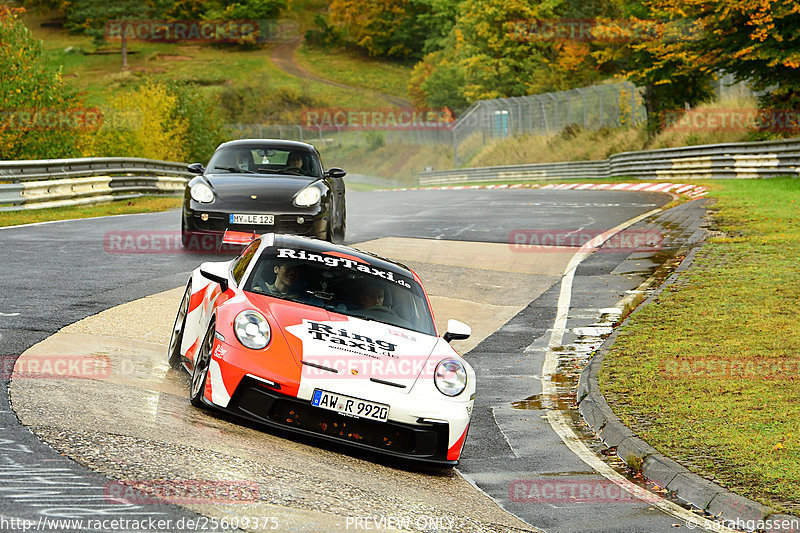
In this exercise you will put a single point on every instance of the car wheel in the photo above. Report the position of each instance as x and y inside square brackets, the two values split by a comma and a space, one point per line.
[186, 235]
[200, 370]
[175, 358]
[329, 231]
[342, 231]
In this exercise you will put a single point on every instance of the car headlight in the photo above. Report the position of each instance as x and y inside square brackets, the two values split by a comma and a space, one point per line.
[450, 377]
[307, 197]
[252, 329]
[202, 193]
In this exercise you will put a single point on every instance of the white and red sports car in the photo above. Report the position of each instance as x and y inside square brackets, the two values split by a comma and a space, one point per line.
[327, 341]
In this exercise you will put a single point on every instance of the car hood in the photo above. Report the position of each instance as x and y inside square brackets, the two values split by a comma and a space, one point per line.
[332, 346]
[236, 190]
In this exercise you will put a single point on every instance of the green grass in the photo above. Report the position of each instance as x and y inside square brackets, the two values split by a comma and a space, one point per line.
[145, 204]
[356, 70]
[210, 68]
[736, 304]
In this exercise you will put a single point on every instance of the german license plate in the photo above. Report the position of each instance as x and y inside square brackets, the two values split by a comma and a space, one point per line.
[252, 219]
[350, 406]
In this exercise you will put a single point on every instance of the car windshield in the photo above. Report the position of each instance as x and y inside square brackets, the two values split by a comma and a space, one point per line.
[342, 284]
[265, 159]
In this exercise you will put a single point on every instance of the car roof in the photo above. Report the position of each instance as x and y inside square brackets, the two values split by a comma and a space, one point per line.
[318, 246]
[274, 143]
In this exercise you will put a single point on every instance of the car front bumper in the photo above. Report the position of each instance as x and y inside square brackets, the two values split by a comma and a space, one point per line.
[258, 402]
[310, 225]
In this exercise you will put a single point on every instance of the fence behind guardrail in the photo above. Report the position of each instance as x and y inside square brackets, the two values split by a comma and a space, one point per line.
[765, 159]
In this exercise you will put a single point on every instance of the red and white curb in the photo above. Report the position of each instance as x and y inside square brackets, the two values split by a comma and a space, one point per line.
[683, 189]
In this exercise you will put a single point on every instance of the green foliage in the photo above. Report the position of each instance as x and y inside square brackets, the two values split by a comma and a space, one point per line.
[437, 21]
[383, 28]
[28, 90]
[438, 82]
[375, 140]
[90, 16]
[260, 103]
[324, 34]
[757, 40]
[144, 122]
[484, 52]
[244, 9]
[671, 77]
[204, 121]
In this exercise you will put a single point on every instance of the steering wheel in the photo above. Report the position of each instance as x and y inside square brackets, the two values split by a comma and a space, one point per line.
[381, 309]
[293, 170]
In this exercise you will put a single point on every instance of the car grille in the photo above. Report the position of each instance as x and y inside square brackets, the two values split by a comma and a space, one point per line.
[283, 224]
[258, 402]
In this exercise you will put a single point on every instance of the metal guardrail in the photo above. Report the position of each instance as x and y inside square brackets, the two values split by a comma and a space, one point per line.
[38, 184]
[766, 159]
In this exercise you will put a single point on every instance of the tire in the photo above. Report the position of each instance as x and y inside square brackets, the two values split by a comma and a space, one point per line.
[338, 237]
[186, 236]
[329, 232]
[175, 359]
[200, 370]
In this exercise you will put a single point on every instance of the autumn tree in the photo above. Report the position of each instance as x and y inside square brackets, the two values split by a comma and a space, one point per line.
[757, 40]
[649, 49]
[399, 29]
[494, 51]
[40, 115]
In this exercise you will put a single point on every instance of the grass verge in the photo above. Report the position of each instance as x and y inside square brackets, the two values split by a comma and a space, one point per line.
[358, 71]
[708, 374]
[210, 68]
[145, 204]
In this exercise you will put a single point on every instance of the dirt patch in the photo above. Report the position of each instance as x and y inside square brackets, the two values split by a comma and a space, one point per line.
[172, 57]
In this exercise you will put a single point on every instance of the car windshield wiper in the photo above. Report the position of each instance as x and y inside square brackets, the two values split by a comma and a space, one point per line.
[322, 295]
[363, 317]
[234, 169]
[297, 172]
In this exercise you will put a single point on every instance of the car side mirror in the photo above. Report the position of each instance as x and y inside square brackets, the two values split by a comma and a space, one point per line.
[217, 272]
[457, 331]
[335, 172]
[196, 168]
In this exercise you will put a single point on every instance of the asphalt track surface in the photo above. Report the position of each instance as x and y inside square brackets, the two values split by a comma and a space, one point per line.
[57, 273]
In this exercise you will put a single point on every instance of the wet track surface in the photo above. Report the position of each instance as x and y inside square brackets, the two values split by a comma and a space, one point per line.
[57, 274]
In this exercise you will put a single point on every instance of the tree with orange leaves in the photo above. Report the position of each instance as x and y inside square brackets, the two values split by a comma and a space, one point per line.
[757, 40]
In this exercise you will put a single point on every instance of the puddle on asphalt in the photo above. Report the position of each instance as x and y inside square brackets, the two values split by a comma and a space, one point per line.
[574, 357]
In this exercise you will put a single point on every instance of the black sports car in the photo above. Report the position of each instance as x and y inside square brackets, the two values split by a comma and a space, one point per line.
[265, 186]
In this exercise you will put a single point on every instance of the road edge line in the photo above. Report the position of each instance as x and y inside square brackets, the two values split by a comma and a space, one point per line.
[558, 420]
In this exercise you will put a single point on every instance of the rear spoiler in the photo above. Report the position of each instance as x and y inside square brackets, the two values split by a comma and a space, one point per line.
[241, 238]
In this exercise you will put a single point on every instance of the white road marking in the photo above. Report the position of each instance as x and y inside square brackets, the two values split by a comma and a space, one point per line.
[559, 422]
[9, 314]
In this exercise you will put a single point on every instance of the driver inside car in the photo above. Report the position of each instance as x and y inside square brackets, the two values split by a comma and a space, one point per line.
[288, 278]
[371, 296]
[294, 161]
